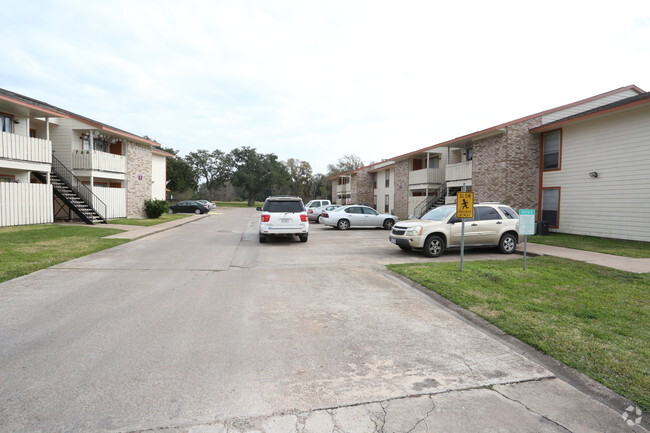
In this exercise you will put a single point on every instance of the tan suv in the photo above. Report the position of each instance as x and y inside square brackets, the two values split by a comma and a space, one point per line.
[493, 225]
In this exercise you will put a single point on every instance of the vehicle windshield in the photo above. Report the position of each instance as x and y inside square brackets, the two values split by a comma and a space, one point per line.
[438, 214]
[283, 206]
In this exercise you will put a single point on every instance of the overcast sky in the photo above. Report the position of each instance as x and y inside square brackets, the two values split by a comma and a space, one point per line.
[315, 80]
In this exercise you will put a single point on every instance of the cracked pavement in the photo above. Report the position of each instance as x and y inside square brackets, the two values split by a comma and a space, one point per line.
[201, 329]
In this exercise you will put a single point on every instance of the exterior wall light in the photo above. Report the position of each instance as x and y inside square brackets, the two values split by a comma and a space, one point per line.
[593, 174]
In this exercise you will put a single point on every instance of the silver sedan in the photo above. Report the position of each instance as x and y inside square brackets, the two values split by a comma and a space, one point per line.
[357, 216]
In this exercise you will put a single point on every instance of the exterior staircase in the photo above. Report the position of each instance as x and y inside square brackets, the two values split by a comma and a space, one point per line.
[434, 200]
[77, 196]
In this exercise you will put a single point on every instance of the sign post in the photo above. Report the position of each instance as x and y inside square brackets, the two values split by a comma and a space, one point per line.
[526, 227]
[464, 209]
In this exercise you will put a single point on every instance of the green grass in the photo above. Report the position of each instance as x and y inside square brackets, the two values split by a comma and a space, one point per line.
[600, 245]
[26, 249]
[592, 318]
[236, 204]
[148, 221]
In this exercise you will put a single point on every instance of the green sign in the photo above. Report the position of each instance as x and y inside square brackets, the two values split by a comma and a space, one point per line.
[527, 221]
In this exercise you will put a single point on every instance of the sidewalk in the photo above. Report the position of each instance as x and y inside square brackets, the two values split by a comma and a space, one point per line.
[608, 260]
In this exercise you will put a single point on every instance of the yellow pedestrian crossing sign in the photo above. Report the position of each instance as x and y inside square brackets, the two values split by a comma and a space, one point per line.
[465, 205]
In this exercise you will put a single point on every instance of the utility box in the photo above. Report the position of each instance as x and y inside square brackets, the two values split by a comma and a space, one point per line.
[542, 228]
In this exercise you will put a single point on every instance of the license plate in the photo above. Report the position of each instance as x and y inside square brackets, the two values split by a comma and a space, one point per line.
[393, 240]
[285, 220]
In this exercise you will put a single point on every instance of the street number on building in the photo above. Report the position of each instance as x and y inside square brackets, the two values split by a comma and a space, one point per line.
[465, 205]
[526, 221]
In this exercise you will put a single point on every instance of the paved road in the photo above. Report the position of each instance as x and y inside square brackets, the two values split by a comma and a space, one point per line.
[202, 329]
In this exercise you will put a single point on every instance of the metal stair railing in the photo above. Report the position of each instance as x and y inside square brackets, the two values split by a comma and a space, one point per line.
[84, 193]
[430, 201]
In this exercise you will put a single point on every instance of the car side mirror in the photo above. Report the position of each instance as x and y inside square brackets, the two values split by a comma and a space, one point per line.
[258, 208]
[454, 220]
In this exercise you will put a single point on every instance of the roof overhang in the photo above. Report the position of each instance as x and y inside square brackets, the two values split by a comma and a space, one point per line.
[22, 108]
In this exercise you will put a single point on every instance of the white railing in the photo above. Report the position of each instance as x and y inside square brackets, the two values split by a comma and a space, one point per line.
[426, 175]
[459, 171]
[96, 160]
[450, 199]
[25, 203]
[343, 189]
[115, 200]
[20, 147]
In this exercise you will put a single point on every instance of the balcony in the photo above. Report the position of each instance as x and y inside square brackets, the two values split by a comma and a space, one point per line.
[344, 189]
[460, 171]
[23, 148]
[99, 161]
[426, 176]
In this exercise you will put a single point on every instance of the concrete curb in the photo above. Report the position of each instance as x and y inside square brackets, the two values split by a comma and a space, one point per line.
[140, 232]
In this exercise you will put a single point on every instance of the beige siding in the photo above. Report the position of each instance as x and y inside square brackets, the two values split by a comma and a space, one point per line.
[381, 190]
[617, 203]
[552, 117]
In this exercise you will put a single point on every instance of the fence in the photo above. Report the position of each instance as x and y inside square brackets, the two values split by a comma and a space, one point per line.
[25, 203]
[115, 200]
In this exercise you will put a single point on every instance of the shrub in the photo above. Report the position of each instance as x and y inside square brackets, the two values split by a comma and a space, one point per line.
[154, 208]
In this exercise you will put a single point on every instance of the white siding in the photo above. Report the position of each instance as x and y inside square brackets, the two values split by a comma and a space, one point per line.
[158, 176]
[24, 203]
[114, 199]
[616, 204]
[552, 117]
[381, 190]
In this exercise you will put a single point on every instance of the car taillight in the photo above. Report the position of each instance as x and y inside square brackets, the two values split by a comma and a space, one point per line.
[311, 210]
[266, 218]
[303, 218]
[324, 215]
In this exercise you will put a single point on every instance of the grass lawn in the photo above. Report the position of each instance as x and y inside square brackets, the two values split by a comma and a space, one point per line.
[236, 204]
[592, 318]
[148, 221]
[600, 245]
[26, 249]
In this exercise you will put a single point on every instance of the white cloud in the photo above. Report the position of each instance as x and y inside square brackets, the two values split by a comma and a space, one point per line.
[315, 80]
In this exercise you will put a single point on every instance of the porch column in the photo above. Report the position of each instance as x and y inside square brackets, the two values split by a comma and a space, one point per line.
[47, 129]
[92, 151]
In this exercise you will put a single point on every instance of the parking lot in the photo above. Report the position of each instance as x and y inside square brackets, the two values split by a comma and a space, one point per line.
[202, 329]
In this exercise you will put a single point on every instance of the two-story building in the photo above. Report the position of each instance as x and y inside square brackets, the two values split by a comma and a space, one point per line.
[55, 164]
[524, 163]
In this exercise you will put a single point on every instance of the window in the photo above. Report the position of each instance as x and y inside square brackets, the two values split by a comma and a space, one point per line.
[551, 206]
[100, 144]
[387, 178]
[368, 211]
[509, 213]
[386, 203]
[434, 161]
[551, 143]
[6, 123]
[470, 154]
[486, 213]
[374, 202]
[7, 178]
[374, 180]
[353, 210]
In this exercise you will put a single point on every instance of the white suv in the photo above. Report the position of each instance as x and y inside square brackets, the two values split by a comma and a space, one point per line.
[493, 225]
[283, 216]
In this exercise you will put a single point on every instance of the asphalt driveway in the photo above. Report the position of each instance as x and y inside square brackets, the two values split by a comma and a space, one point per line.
[202, 329]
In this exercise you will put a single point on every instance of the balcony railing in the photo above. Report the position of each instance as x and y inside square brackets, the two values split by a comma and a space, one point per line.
[427, 175]
[96, 160]
[23, 148]
[343, 189]
[459, 171]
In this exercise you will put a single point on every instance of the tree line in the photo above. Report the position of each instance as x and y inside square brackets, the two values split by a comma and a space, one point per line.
[248, 175]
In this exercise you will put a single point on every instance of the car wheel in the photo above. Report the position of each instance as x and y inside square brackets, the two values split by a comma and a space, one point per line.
[262, 239]
[508, 243]
[343, 225]
[197, 211]
[318, 220]
[434, 246]
[303, 238]
[389, 223]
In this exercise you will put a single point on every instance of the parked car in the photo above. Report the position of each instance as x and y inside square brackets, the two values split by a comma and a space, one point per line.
[317, 203]
[493, 225]
[207, 203]
[189, 206]
[283, 216]
[354, 216]
[319, 211]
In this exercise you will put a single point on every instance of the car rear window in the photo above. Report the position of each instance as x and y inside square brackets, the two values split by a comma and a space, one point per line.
[283, 206]
[509, 213]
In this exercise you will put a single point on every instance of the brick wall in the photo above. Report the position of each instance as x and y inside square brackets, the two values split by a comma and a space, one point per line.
[138, 179]
[362, 187]
[506, 167]
[401, 200]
